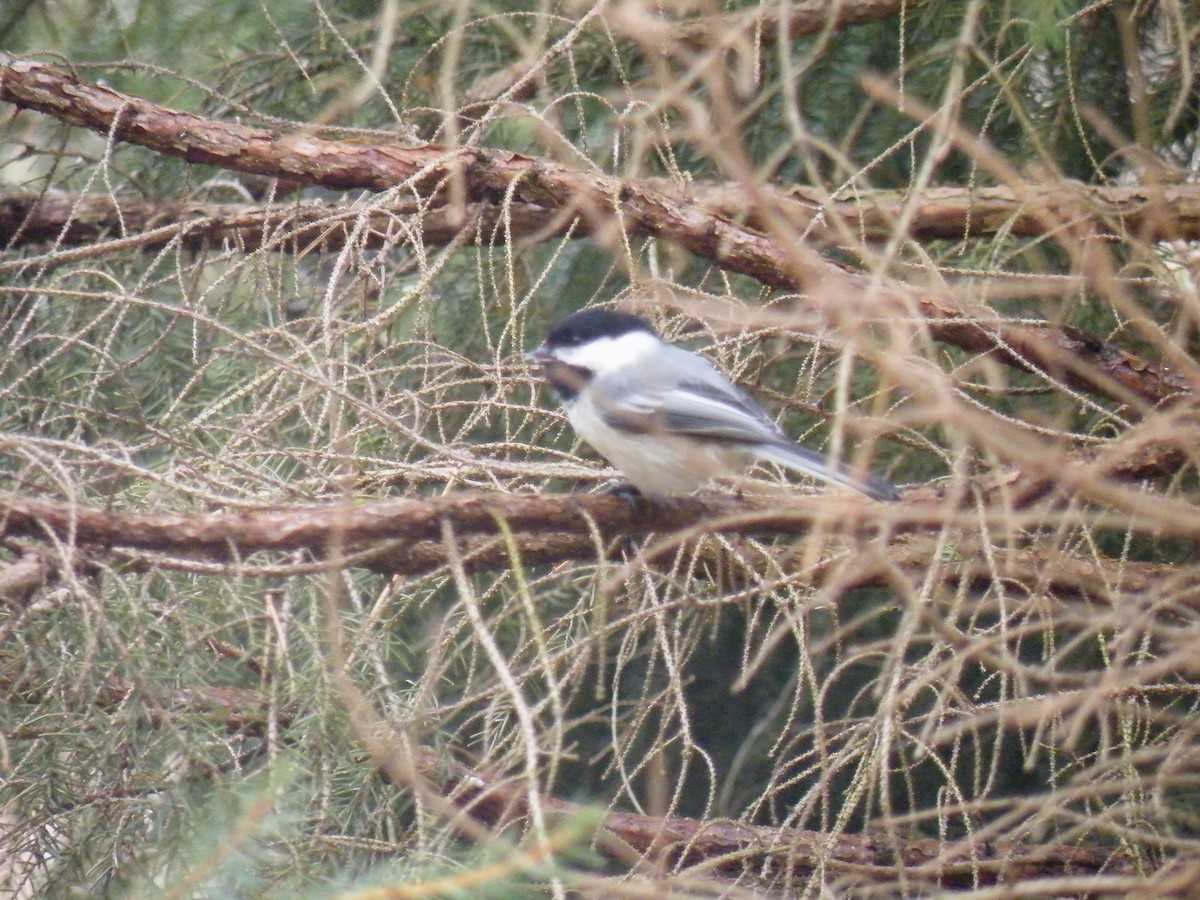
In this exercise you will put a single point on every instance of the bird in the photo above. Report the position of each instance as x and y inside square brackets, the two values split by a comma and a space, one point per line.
[667, 418]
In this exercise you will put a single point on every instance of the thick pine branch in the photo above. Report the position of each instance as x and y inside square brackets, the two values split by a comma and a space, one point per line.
[351, 526]
[104, 224]
[734, 848]
[603, 204]
[769, 23]
[411, 537]
[1145, 213]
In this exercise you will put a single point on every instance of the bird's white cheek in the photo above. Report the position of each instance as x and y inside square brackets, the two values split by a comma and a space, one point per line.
[611, 354]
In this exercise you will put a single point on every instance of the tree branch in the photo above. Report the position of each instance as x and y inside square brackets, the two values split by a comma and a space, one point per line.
[733, 847]
[350, 526]
[1032, 570]
[127, 223]
[1147, 212]
[759, 26]
[605, 205]
[405, 537]
[241, 710]
[769, 23]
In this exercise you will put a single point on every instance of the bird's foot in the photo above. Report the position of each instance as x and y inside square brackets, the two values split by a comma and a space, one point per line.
[623, 489]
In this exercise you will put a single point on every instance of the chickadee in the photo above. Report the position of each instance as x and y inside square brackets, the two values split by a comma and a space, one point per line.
[665, 417]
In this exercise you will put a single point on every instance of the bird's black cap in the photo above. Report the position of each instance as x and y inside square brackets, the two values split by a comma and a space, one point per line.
[589, 324]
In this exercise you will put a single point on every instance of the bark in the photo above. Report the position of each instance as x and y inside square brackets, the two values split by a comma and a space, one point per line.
[1143, 212]
[733, 848]
[1146, 213]
[767, 23]
[84, 219]
[604, 205]
[21, 577]
[350, 526]
[408, 537]
[760, 26]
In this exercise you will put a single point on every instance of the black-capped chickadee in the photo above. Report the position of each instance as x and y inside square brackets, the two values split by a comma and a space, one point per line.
[665, 417]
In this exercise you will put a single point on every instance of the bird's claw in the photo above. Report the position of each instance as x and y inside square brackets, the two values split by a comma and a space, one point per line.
[623, 489]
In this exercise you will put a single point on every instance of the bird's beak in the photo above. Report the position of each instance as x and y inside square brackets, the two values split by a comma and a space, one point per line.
[539, 356]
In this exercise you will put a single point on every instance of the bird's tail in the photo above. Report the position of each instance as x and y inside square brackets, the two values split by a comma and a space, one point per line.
[794, 456]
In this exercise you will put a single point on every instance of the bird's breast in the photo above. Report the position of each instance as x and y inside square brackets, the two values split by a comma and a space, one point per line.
[658, 463]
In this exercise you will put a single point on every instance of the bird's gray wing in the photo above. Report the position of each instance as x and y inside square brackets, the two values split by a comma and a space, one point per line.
[718, 412]
[685, 394]
[708, 412]
[690, 397]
